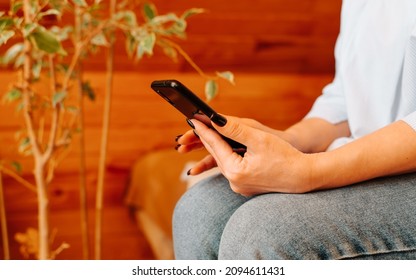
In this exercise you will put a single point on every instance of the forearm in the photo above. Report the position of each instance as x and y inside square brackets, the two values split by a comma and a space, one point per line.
[388, 151]
[315, 135]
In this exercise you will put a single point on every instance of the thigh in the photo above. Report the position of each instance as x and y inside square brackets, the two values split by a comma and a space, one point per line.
[200, 217]
[370, 220]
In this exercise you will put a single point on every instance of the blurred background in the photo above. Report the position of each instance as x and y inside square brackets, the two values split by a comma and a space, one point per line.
[281, 54]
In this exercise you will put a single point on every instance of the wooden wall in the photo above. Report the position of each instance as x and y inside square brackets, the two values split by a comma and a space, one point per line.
[281, 52]
[262, 35]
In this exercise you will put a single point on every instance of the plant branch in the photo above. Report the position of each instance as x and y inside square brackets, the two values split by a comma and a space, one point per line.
[187, 58]
[55, 113]
[18, 178]
[4, 234]
[104, 140]
[56, 252]
[82, 158]
[40, 160]
[79, 47]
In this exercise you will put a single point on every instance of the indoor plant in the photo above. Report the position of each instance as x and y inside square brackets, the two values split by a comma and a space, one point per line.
[48, 52]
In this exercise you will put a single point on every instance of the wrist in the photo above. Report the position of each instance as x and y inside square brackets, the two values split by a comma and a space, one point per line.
[316, 171]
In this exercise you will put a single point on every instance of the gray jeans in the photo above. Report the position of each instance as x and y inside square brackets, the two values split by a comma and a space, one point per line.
[370, 220]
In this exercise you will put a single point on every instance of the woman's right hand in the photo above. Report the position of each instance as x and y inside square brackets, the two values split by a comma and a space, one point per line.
[189, 141]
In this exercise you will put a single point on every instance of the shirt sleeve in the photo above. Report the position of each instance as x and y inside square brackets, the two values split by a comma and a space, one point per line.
[411, 120]
[331, 105]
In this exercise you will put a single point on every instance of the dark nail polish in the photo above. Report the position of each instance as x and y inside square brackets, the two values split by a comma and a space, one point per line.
[177, 137]
[177, 146]
[219, 120]
[189, 172]
[190, 123]
[196, 134]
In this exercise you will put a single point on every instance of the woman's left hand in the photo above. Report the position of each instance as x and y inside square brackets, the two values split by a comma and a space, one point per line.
[270, 163]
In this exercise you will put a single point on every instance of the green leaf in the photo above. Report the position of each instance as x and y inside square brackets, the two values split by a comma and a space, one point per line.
[211, 89]
[5, 36]
[161, 20]
[146, 45]
[99, 40]
[81, 3]
[179, 27]
[46, 41]
[29, 28]
[88, 90]
[170, 52]
[227, 75]
[17, 166]
[36, 69]
[12, 53]
[24, 145]
[58, 97]
[6, 22]
[131, 45]
[50, 12]
[191, 12]
[128, 16]
[149, 11]
[58, 4]
[20, 59]
[12, 95]
[61, 33]
[17, 5]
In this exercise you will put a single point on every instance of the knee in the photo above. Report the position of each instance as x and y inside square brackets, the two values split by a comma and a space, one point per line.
[186, 224]
[198, 202]
[200, 216]
[258, 231]
[188, 221]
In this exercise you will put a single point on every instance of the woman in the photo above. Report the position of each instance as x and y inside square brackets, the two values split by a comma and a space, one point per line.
[339, 184]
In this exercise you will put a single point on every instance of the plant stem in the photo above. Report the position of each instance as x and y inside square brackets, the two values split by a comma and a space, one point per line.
[18, 178]
[82, 164]
[43, 225]
[104, 140]
[4, 234]
[82, 177]
[187, 58]
[43, 207]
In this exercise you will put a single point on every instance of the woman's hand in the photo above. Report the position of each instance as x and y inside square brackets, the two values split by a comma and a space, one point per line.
[190, 141]
[270, 163]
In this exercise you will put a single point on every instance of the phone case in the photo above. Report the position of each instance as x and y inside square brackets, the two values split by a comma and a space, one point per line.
[190, 105]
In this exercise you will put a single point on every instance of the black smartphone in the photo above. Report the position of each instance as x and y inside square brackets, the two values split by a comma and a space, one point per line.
[192, 107]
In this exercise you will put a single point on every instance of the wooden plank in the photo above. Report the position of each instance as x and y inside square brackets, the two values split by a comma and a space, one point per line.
[119, 231]
[234, 35]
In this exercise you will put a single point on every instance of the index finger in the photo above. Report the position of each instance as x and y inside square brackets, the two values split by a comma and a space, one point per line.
[216, 146]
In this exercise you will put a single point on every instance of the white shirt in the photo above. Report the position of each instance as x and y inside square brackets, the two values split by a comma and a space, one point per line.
[368, 89]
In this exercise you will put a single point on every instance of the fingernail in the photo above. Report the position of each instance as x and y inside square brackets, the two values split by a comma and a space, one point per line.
[177, 146]
[219, 120]
[177, 137]
[189, 172]
[196, 134]
[190, 123]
